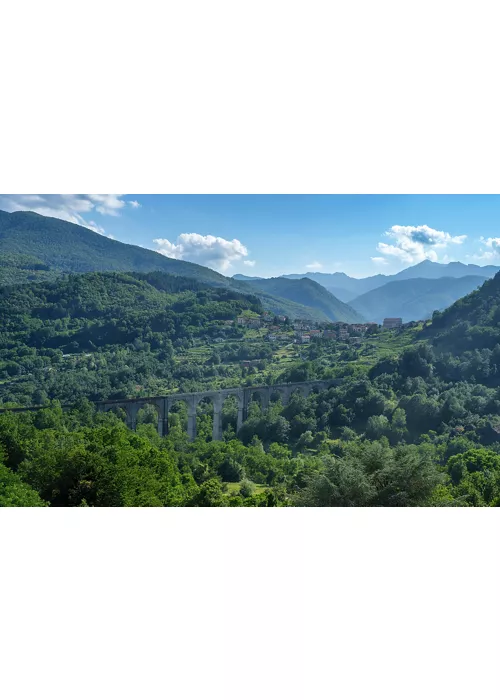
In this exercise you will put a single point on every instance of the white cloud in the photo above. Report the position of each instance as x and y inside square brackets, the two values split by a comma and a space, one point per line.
[380, 261]
[314, 266]
[412, 244]
[107, 203]
[134, 204]
[249, 263]
[484, 255]
[212, 251]
[69, 207]
[493, 254]
[492, 243]
[98, 229]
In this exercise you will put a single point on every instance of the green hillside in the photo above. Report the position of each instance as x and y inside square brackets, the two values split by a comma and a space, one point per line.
[471, 323]
[413, 299]
[20, 269]
[309, 293]
[38, 248]
[286, 307]
[67, 247]
[112, 334]
[97, 309]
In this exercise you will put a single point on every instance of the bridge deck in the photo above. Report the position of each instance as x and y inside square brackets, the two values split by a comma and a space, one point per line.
[190, 395]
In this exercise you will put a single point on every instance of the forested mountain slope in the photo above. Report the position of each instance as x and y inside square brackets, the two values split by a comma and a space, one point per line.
[107, 334]
[67, 247]
[309, 293]
[413, 299]
[21, 269]
[471, 323]
[285, 307]
[96, 309]
[35, 247]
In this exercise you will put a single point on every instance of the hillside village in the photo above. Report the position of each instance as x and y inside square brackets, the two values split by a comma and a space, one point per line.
[281, 328]
[280, 331]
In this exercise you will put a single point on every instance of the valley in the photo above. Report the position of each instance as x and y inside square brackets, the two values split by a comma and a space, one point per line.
[402, 417]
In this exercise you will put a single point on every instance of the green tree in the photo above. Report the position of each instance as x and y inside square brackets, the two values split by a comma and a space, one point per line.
[211, 495]
[377, 426]
[14, 493]
[247, 488]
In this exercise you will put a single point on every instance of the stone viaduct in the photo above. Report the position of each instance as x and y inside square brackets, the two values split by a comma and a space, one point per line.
[244, 396]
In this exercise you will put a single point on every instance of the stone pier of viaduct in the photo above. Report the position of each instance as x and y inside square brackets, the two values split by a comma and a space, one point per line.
[244, 396]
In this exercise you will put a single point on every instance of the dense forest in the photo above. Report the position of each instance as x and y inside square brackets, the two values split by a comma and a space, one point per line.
[109, 335]
[414, 422]
[38, 248]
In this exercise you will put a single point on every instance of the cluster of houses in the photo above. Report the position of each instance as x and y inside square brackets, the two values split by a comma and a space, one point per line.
[280, 329]
[305, 331]
[350, 332]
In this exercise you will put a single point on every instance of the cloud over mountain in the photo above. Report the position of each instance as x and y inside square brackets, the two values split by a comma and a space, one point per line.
[412, 244]
[380, 261]
[493, 244]
[212, 251]
[74, 208]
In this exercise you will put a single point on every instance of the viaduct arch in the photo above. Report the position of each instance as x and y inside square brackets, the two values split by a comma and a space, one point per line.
[164, 404]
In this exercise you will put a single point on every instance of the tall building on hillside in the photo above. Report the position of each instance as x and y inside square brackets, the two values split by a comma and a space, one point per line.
[392, 323]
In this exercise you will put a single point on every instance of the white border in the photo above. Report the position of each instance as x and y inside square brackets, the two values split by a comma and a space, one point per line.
[383, 97]
[246, 603]
[276, 97]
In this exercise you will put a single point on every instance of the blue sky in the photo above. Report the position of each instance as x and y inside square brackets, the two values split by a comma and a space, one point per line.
[268, 235]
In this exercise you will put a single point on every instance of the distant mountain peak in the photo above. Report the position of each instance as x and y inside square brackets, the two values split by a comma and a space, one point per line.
[308, 292]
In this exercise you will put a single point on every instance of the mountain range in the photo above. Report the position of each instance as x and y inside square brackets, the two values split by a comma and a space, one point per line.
[348, 288]
[414, 299]
[310, 293]
[39, 248]
[412, 294]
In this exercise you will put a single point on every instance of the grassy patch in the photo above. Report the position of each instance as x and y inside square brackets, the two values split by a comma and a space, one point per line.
[233, 488]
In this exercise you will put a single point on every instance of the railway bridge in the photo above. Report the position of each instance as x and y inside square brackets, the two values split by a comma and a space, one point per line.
[243, 395]
[164, 404]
